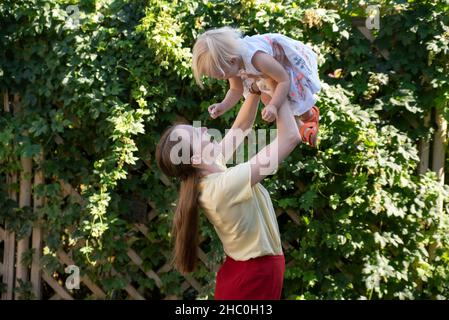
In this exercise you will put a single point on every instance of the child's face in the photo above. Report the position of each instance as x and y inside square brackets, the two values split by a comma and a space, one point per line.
[229, 71]
[233, 70]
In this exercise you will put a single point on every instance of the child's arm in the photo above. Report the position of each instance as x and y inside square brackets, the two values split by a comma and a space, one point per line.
[233, 96]
[273, 69]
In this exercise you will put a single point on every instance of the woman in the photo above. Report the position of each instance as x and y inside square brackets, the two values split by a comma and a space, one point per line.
[237, 205]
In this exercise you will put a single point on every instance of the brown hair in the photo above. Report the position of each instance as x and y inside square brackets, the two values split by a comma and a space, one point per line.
[186, 217]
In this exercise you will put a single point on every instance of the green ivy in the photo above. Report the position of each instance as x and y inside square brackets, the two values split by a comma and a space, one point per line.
[95, 97]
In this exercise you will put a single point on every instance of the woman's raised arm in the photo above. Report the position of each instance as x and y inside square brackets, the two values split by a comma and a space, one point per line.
[268, 159]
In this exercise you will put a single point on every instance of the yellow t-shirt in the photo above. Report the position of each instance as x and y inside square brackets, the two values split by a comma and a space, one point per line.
[243, 216]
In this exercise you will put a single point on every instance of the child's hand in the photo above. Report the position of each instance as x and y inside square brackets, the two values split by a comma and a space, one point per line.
[269, 113]
[216, 110]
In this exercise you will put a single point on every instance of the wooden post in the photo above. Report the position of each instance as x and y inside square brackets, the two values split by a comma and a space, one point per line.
[36, 276]
[438, 158]
[6, 101]
[439, 146]
[24, 200]
[424, 147]
[10, 238]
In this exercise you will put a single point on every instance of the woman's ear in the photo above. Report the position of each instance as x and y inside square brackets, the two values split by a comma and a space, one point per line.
[233, 60]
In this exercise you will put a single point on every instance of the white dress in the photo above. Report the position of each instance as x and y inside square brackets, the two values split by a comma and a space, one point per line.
[303, 69]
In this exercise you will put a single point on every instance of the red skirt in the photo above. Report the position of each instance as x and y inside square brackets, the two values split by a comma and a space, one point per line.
[259, 278]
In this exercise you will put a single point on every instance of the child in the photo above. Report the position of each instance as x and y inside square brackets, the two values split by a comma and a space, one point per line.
[278, 67]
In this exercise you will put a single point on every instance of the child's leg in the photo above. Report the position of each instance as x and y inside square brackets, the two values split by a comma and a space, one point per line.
[308, 131]
[306, 115]
[265, 98]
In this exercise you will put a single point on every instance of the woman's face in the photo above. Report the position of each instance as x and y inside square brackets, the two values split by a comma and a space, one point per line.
[203, 145]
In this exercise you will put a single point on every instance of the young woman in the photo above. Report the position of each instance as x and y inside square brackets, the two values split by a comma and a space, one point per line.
[234, 201]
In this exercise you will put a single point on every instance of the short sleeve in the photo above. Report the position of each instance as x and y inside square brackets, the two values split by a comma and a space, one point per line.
[221, 161]
[250, 46]
[234, 185]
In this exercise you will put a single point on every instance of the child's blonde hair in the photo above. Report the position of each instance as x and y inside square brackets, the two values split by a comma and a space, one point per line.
[213, 51]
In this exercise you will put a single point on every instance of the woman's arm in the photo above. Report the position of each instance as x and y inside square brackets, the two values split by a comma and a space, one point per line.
[241, 127]
[267, 160]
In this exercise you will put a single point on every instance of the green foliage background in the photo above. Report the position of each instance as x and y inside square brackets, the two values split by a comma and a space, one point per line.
[96, 96]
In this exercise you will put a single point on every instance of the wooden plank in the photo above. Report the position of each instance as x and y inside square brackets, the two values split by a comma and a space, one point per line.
[438, 161]
[287, 245]
[56, 286]
[35, 276]
[142, 228]
[36, 241]
[153, 214]
[293, 215]
[439, 146]
[130, 289]
[360, 24]
[24, 200]
[165, 268]
[139, 262]
[424, 148]
[67, 189]
[185, 285]
[8, 264]
[278, 212]
[9, 237]
[23, 244]
[55, 297]
[202, 256]
[193, 282]
[6, 101]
